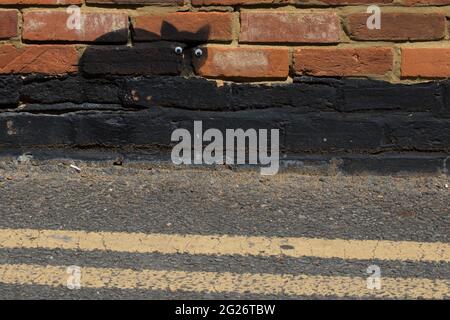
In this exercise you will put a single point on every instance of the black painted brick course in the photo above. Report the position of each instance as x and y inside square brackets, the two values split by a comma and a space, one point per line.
[315, 115]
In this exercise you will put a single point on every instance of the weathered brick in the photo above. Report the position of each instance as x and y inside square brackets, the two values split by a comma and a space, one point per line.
[47, 59]
[176, 92]
[234, 2]
[244, 63]
[52, 25]
[70, 89]
[184, 26]
[398, 26]
[41, 2]
[261, 22]
[426, 2]
[343, 61]
[344, 2]
[426, 62]
[287, 26]
[8, 23]
[139, 2]
[125, 60]
[252, 2]
[10, 86]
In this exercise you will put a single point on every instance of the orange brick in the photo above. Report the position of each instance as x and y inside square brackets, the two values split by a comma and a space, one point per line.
[46, 59]
[426, 62]
[244, 63]
[252, 2]
[398, 26]
[184, 26]
[8, 24]
[51, 25]
[343, 61]
[41, 2]
[294, 27]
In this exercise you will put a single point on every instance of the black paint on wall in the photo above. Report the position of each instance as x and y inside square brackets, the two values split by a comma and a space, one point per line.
[314, 115]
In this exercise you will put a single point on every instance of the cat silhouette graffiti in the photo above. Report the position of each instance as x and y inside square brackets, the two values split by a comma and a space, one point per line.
[171, 52]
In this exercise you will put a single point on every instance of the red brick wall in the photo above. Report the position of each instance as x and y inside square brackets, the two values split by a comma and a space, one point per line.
[249, 40]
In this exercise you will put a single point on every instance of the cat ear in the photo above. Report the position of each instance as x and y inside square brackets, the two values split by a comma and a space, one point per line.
[203, 33]
[168, 30]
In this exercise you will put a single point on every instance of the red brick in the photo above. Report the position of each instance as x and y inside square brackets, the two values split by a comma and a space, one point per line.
[51, 25]
[244, 63]
[344, 2]
[47, 59]
[184, 26]
[235, 2]
[134, 2]
[41, 2]
[426, 62]
[251, 2]
[398, 26]
[8, 24]
[283, 26]
[343, 61]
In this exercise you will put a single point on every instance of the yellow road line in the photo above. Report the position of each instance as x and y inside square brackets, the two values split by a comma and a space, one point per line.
[213, 282]
[225, 245]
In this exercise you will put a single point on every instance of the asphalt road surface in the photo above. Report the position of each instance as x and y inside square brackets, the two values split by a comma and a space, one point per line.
[152, 232]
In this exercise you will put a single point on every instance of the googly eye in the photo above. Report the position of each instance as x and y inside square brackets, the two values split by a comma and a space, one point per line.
[198, 52]
[178, 50]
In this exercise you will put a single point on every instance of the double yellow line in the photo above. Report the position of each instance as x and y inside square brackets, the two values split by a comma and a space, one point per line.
[215, 282]
[225, 245]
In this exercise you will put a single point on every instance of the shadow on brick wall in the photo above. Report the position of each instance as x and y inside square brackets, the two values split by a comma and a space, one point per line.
[171, 52]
